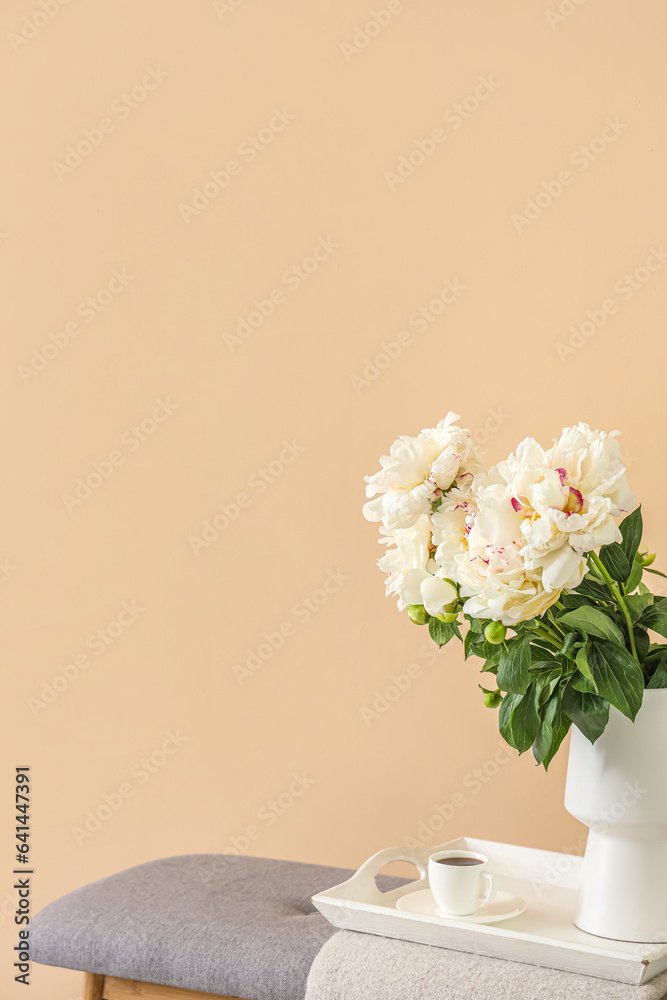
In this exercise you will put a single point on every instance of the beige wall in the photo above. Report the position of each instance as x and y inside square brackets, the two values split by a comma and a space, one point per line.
[547, 84]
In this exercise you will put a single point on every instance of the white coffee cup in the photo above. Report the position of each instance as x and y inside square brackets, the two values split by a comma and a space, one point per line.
[456, 878]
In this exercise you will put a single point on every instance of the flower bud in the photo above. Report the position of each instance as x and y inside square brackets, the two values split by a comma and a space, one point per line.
[446, 617]
[493, 699]
[648, 559]
[495, 633]
[417, 614]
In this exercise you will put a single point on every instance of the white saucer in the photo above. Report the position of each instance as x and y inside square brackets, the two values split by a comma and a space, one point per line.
[504, 906]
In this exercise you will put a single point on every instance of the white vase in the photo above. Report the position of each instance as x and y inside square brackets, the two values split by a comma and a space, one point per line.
[618, 788]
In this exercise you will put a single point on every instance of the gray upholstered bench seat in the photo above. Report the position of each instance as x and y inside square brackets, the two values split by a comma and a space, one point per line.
[236, 926]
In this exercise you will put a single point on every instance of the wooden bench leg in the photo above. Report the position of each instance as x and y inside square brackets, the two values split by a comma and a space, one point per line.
[93, 986]
[97, 987]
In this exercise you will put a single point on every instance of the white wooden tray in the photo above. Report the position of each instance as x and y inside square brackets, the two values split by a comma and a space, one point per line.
[544, 934]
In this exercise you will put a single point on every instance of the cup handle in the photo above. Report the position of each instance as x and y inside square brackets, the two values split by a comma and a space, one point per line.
[492, 890]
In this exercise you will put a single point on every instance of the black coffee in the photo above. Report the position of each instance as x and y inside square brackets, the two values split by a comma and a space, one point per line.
[459, 862]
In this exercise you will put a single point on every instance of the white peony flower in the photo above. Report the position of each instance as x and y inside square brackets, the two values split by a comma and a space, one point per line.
[518, 537]
[511, 538]
[568, 498]
[419, 470]
[481, 547]
[450, 525]
[412, 573]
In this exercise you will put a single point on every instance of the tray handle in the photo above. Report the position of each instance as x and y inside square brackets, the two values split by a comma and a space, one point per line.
[363, 881]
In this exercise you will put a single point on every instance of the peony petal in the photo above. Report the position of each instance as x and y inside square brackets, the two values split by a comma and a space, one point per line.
[436, 593]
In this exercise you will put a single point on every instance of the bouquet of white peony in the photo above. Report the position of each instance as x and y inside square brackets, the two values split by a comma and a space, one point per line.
[530, 555]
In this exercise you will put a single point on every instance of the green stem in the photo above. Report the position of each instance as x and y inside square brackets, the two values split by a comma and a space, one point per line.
[544, 632]
[555, 624]
[619, 599]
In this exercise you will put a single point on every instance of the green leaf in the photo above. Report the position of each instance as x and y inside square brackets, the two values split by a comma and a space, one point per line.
[592, 621]
[549, 684]
[637, 603]
[655, 619]
[541, 647]
[514, 666]
[553, 730]
[581, 683]
[561, 727]
[631, 531]
[593, 588]
[570, 642]
[507, 707]
[615, 561]
[541, 664]
[470, 647]
[492, 652]
[525, 719]
[440, 632]
[642, 642]
[570, 601]
[635, 574]
[618, 677]
[582, 661]
[659, 678]
[490, 667]
[531, 624]
[656, 664]
[589, 712]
